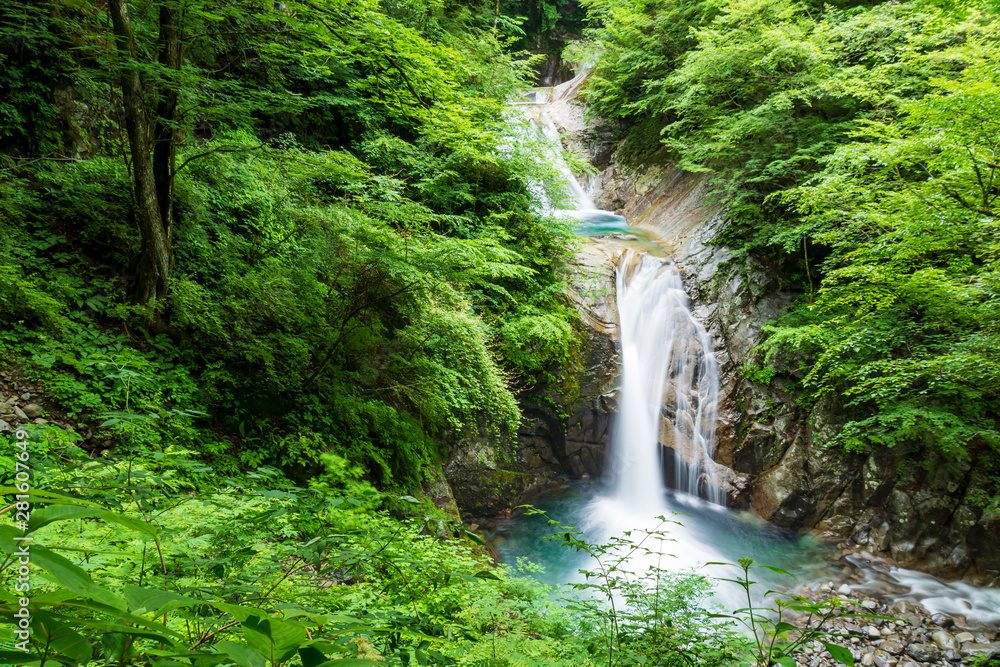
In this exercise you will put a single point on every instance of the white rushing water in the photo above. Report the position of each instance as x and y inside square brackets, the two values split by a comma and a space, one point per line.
[665, 428]
[669, 388]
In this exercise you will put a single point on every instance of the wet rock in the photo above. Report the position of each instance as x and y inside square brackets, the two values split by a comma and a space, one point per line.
[873, 633]
[844, 590]
[892, 647]
[903, 607]
[982, 638]
[946, 641]
[882, 659]
[965, 637]
[853, 628]
[953, 656]
[979, 650]
[923, 652]
[481, 487]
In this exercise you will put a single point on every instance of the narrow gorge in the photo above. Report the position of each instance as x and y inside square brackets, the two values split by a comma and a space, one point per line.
[672, 321]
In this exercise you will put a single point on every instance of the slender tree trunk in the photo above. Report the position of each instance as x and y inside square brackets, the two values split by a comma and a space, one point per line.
[165, 134]
[156, 255]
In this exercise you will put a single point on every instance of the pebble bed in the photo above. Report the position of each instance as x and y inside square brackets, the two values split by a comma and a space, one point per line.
[914, 638]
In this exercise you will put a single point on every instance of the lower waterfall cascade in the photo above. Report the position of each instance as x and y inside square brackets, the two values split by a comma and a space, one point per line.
[669, 387]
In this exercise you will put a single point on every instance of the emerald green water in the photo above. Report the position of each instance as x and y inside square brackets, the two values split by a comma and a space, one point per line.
[706, 533]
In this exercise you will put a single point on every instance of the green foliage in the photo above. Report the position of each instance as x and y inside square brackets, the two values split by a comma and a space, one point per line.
[758, 94]
[907, 309]
[757, 374]
[353, 236]
[156, 558]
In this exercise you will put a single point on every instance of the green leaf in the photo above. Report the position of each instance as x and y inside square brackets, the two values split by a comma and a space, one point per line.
[61, 571]
[44, 495]
[276, 639]
[236, 611]
[149, 600]
[474, 537]
[839, 653]
[20, 659]
[113, 646]
[311, 656]
[52, 513]
[244, 656]
[62, 640]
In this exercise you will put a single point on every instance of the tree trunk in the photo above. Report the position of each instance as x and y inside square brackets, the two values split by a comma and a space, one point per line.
[156, 255]
[165, 135]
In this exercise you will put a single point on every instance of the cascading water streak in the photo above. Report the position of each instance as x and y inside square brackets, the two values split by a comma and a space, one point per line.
[669, 393]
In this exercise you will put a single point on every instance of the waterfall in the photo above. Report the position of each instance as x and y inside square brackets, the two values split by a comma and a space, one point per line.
[670, 388]
[670, 378]
[581, 200]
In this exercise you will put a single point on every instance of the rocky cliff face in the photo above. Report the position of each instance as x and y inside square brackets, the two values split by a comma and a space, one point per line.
[560, 436]
[906, 504]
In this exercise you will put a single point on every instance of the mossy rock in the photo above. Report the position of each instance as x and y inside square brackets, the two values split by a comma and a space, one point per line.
[486, 492]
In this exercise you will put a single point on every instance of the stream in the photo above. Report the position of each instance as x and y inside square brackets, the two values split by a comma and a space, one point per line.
[659, 462]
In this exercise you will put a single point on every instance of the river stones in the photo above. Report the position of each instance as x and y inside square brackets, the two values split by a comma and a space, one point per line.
[903, 607]
[946, 641]
[892, 647]
[942, 620]
[923, 652]
[882, 659]
[965, 637]
[980, 650]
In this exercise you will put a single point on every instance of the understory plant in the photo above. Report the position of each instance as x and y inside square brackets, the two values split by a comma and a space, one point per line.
[652, 616]
[774, 640]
